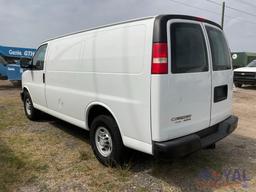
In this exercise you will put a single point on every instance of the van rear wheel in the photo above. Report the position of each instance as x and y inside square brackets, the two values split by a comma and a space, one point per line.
[30, 111]
[106, 141]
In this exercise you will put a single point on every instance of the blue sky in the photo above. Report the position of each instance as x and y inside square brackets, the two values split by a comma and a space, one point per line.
[27, 23]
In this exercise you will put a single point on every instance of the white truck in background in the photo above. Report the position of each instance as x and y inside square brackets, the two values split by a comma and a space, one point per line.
[245, 75]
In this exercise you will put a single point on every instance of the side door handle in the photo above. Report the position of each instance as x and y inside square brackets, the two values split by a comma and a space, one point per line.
[43, 77]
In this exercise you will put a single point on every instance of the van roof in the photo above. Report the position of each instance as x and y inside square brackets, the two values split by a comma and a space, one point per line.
[160, 22]
[102, 26]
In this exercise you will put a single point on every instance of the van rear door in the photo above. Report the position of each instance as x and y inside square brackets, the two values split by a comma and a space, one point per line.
[222, 75]
[181, 99]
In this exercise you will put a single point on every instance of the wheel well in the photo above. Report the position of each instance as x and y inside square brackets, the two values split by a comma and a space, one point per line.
[22, 93]
[95, 111]
[25, 89]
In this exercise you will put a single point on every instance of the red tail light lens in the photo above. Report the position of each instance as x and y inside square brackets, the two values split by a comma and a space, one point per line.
[159, 59]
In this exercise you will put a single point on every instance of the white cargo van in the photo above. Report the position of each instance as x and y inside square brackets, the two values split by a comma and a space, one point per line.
[158, 85]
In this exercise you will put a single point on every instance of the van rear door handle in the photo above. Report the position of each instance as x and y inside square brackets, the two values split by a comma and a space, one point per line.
[43, 77]
[220, 93]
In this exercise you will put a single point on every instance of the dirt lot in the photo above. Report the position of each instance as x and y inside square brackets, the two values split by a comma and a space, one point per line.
[51, 155]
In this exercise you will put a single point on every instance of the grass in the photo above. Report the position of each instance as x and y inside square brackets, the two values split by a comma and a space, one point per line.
[11, 113]
[36, 153]
[13, 165]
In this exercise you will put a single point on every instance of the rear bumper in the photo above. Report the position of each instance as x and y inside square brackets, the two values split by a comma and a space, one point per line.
[196, 141]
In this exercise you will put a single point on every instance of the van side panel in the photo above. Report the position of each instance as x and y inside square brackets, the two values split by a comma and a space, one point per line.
[110, 66]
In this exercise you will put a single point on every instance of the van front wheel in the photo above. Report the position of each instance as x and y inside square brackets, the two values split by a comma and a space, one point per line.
[30, 111]
[106, 140]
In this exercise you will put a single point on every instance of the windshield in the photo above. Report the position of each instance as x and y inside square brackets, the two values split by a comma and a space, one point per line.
[252, 64]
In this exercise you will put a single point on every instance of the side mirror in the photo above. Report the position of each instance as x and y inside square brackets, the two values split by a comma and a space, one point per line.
[25, 63]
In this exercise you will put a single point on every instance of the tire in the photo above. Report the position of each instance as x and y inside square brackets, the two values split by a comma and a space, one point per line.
[239, 85]
[29, 109]
[108, 148]
[212, 146]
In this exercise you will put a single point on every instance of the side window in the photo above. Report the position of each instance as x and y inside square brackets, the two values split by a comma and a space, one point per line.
[189, 53]
[38, 59]
[219, 48]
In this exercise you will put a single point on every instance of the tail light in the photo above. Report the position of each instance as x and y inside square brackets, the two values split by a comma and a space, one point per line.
[159, 58]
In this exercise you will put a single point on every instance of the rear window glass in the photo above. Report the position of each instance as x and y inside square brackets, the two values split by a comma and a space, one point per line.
[220, 52]
[188, 54]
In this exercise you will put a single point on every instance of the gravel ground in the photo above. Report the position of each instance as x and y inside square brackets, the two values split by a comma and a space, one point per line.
[51, 155]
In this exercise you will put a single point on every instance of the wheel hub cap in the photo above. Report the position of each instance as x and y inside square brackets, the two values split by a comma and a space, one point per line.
[28, 106]
[103, 141]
